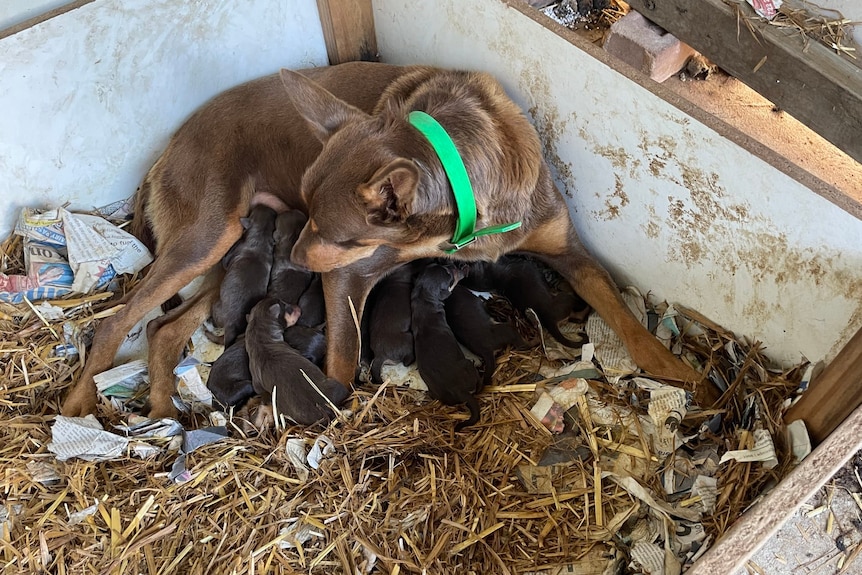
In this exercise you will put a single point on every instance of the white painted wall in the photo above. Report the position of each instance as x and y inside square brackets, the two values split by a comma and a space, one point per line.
[89, 98]
[16, 11]
[665, 202]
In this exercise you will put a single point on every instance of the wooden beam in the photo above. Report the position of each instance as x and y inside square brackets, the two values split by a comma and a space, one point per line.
[801, 76]
[348, 30]
[833, 395]
[753, 529]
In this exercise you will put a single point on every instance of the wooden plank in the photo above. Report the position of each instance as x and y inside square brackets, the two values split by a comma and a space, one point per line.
[348, 30]
[832, 396]
[813, 84]
[759, 523]
[38, 19]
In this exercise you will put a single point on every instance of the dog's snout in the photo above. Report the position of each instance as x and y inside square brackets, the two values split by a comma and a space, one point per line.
[298, 259]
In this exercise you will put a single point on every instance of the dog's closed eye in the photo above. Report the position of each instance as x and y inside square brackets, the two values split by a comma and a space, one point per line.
[349, 244]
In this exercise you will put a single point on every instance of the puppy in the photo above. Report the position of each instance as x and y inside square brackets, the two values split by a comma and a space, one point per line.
[522, 282]
[449, 375]
[246, 278]
[287, 282]
[230, 379]
[276, 365]
[389, 335]
[310, 342]
[313, 304]
[474, 328]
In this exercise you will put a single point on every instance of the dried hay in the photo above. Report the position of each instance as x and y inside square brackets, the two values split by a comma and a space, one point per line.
[829, 31]
[402, 494]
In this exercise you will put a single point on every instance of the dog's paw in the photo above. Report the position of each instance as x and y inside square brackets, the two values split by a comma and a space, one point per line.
[160, 410]
[80, 402]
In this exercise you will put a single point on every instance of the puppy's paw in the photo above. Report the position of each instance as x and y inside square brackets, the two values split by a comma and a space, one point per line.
[255, 417]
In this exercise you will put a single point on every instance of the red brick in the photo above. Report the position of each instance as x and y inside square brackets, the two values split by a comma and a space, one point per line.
[647, 47]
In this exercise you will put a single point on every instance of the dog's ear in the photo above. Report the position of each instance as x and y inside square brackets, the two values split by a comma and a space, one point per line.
[323, 112]
[245, 223]
[388, 195]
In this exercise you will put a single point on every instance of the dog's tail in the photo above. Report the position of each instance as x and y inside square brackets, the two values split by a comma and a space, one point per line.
[140, 226]
[554, 330]
[473, 405]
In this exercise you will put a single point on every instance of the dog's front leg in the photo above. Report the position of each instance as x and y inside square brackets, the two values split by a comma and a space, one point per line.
[340, 287]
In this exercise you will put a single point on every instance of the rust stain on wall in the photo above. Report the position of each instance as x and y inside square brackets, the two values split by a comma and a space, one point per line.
[550, 127]
[653, 227]
[613, 203]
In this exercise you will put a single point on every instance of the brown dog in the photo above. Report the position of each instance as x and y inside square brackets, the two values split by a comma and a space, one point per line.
[378, 196]
[247, 142]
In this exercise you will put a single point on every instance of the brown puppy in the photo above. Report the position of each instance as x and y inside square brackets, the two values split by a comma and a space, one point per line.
[378, 197]
[230, 378]
[474, 328]
[449, 375]
[276, 365]
[287, 281]
[247, 144]
[247, 265]
[389, 334]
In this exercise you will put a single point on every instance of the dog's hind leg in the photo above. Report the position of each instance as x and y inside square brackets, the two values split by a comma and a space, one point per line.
[167, 336]
[557, 244]
[189, 253]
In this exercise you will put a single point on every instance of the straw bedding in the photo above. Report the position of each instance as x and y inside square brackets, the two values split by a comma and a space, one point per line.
[402, 493]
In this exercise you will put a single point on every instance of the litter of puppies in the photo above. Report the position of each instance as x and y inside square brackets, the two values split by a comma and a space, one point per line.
[566, 466]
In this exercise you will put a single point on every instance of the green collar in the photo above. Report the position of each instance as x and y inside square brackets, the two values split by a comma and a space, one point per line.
[465, 203]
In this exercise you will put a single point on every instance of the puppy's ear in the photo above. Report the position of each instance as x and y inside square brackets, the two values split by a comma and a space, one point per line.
[389, 194]
[324, 113]
[245, 223]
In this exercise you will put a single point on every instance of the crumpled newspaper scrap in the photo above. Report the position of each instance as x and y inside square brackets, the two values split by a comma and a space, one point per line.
[85, 438]
[66, 252]
[303, 460]
[766, 8]
[636, 442]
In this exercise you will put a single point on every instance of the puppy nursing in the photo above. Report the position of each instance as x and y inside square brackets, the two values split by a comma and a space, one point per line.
[449, 375]
[248, 266]
[275, 366]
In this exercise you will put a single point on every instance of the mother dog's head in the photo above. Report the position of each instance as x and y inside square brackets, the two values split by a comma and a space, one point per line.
[379, 182]
[361, 192]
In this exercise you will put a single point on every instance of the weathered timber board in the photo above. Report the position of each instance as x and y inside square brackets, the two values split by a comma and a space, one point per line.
[815, 85]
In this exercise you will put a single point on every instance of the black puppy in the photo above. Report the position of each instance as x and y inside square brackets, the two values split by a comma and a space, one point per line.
[310, 342]
[312, 304]
[248, 264]
[449, 375]
[522, 282]
[389, 335]
[276, 365]
[230, 379]
[474, 328]
[287, 282]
